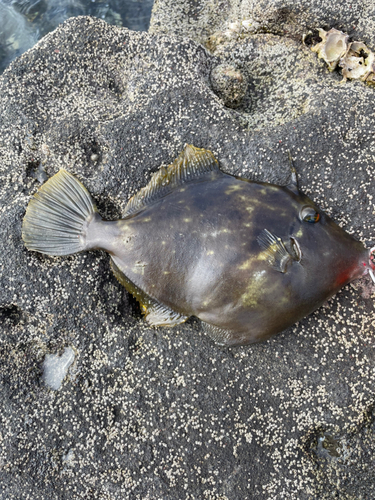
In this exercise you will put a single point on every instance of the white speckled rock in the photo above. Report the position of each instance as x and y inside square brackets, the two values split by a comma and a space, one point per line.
[158, 413]
[290, 18]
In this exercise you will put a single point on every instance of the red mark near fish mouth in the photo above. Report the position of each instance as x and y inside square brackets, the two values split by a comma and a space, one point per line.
[353, 272]
[344, 277]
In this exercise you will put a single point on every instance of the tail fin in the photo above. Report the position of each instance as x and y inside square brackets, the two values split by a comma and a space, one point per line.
[57, 217]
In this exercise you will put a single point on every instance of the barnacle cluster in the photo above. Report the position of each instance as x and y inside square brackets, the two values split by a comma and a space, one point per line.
[233, 31]
[356, 60]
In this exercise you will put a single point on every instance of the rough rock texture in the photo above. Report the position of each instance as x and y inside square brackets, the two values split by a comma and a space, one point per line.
[200, 19]
[164, 413]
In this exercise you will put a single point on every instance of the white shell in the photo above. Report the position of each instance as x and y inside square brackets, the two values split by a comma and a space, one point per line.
[230, 34]
[247, 24]
[236, 27]
[333, 46]
[358, 62]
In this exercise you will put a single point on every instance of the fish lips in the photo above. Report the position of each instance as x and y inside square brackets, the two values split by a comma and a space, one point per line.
[295, 249]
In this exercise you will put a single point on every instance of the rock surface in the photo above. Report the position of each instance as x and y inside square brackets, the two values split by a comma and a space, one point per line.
[164, 413]
[199, 20]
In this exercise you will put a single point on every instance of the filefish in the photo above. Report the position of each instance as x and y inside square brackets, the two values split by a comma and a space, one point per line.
[247, 258]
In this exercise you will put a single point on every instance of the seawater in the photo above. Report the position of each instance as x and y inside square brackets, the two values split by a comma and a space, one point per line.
[24, 22]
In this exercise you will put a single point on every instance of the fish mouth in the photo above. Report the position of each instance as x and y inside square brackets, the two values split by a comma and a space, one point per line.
[296, 249]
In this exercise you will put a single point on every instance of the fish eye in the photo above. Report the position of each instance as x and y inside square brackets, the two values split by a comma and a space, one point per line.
[308, 214]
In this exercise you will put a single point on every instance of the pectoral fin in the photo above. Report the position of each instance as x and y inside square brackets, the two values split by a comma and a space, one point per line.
[276, 252]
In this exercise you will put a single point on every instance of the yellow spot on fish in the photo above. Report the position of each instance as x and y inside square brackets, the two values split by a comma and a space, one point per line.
[254, 289]
[210, 252]
[147, 219]
[247, 264]
[249, 298]
[299, 232]
[166, 272]
[234, 187]
[242, 197]
[187, 220]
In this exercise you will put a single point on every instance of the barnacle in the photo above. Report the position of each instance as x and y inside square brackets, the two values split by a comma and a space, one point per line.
[356, 59]
[233, 31]
[371, 78]
[229, 83]
[358, 62]
[333, 46]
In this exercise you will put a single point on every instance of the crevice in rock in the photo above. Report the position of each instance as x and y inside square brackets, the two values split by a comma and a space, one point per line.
[11, 314]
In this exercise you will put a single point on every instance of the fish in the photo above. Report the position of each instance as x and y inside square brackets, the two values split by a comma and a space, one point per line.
[247, 258]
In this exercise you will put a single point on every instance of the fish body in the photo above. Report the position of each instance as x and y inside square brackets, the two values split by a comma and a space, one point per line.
[247, 258]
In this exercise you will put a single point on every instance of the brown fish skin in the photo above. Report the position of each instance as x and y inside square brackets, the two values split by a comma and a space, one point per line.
[212, 266]
[235, 253]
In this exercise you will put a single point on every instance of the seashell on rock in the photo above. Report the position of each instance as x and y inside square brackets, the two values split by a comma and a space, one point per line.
[333, 46]
[370, 80]
[358, 62]
[235, 26]
[247, 24]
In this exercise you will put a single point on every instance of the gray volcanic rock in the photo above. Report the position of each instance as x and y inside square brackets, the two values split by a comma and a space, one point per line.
[291, 18]
[162, 413]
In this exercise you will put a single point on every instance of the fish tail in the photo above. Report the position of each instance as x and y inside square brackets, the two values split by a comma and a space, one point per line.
[58, 216]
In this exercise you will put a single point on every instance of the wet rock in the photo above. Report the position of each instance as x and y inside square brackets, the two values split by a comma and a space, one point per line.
[159, 413]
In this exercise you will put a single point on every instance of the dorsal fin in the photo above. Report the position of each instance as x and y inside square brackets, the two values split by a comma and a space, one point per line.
[190, 164]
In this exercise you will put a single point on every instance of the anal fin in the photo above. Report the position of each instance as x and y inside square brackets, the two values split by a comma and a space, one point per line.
[156, 314]
[221, 336]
